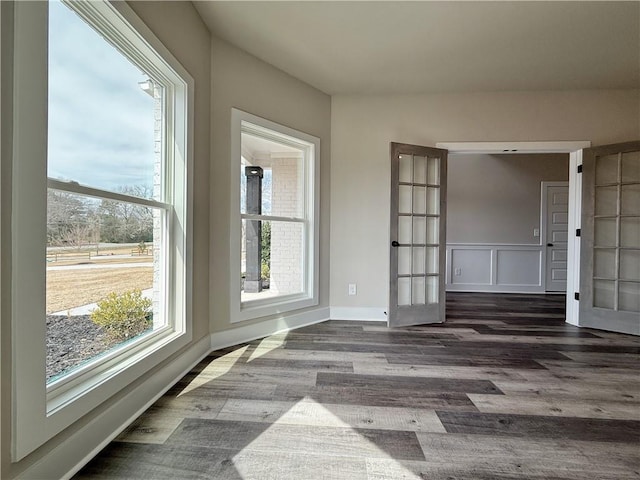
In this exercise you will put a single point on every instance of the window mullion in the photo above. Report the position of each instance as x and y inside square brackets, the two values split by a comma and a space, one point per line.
[75, 187]
[271, 218]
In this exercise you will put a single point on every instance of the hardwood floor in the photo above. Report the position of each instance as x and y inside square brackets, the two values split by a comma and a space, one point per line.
[504, 390]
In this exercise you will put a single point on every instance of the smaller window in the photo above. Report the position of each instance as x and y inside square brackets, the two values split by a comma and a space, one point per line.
[274, 207]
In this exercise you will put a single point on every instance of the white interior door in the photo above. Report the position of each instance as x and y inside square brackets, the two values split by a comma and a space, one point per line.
[610, 232]
[417, 230]
[556, 200]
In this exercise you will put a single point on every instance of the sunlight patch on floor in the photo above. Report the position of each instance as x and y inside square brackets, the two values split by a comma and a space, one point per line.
[298, 452]
[311, 413]
[217, 368]
[267, 345]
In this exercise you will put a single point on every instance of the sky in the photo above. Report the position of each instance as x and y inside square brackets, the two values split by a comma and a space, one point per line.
[100, 120]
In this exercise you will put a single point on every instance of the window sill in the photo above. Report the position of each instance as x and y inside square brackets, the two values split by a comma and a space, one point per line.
[253, 309]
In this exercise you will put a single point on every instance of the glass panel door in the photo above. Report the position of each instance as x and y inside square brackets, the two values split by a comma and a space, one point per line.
[418, 189]
[610, 258]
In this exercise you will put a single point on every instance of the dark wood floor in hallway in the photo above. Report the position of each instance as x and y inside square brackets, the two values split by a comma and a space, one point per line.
[505, 389]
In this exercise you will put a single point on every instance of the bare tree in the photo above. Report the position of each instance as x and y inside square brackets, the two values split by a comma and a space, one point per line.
[123, 222]
[79, 235]
[70, 219]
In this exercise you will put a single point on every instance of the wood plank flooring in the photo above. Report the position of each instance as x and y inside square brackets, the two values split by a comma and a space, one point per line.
[504, 390]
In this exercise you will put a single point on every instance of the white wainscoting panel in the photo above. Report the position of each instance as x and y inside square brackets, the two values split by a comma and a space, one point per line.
[518, 267]
[503, 268]
[471, 266]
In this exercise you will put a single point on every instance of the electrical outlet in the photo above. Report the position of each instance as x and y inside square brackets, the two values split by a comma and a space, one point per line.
[457, 272]
[352, 289]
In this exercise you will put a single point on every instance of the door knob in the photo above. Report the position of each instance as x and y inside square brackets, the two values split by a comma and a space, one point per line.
[549, 244]
[395, 244]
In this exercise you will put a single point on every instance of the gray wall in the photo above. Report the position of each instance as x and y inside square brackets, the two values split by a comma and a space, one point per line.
[496, 198]
[362, 127]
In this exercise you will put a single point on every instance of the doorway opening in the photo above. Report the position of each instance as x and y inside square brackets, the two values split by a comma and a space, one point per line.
[497, 230]
[574, 149]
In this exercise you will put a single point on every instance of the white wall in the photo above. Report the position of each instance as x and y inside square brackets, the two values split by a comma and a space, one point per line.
[363, 126]
[242, 81]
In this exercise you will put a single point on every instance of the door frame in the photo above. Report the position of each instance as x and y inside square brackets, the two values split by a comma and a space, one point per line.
[574, 149]
[543, 230]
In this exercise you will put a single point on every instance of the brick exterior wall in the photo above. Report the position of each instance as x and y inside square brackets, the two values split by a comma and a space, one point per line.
[286, 238]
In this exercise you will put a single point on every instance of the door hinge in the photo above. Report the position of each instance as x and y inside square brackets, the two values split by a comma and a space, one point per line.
[577, 232]
[579, 168]
[576, 295]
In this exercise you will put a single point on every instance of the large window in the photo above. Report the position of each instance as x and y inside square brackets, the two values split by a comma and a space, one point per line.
[107, 205]
[275, 174]
[101, 206]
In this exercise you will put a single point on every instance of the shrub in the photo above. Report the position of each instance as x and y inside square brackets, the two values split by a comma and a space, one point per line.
[265, 272]
[123, 316]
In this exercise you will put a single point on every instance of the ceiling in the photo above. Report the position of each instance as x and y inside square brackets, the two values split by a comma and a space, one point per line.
[379, 47]
[259, 148]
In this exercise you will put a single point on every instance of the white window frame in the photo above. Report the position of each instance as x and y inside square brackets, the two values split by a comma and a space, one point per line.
[40, 411]
[243, 122]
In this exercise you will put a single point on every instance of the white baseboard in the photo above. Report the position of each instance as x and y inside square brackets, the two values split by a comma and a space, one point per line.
[375, 314]
[483, 288]
[253, 331]
[66, 459]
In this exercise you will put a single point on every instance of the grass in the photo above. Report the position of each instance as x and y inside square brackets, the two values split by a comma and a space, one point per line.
[73, 288]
